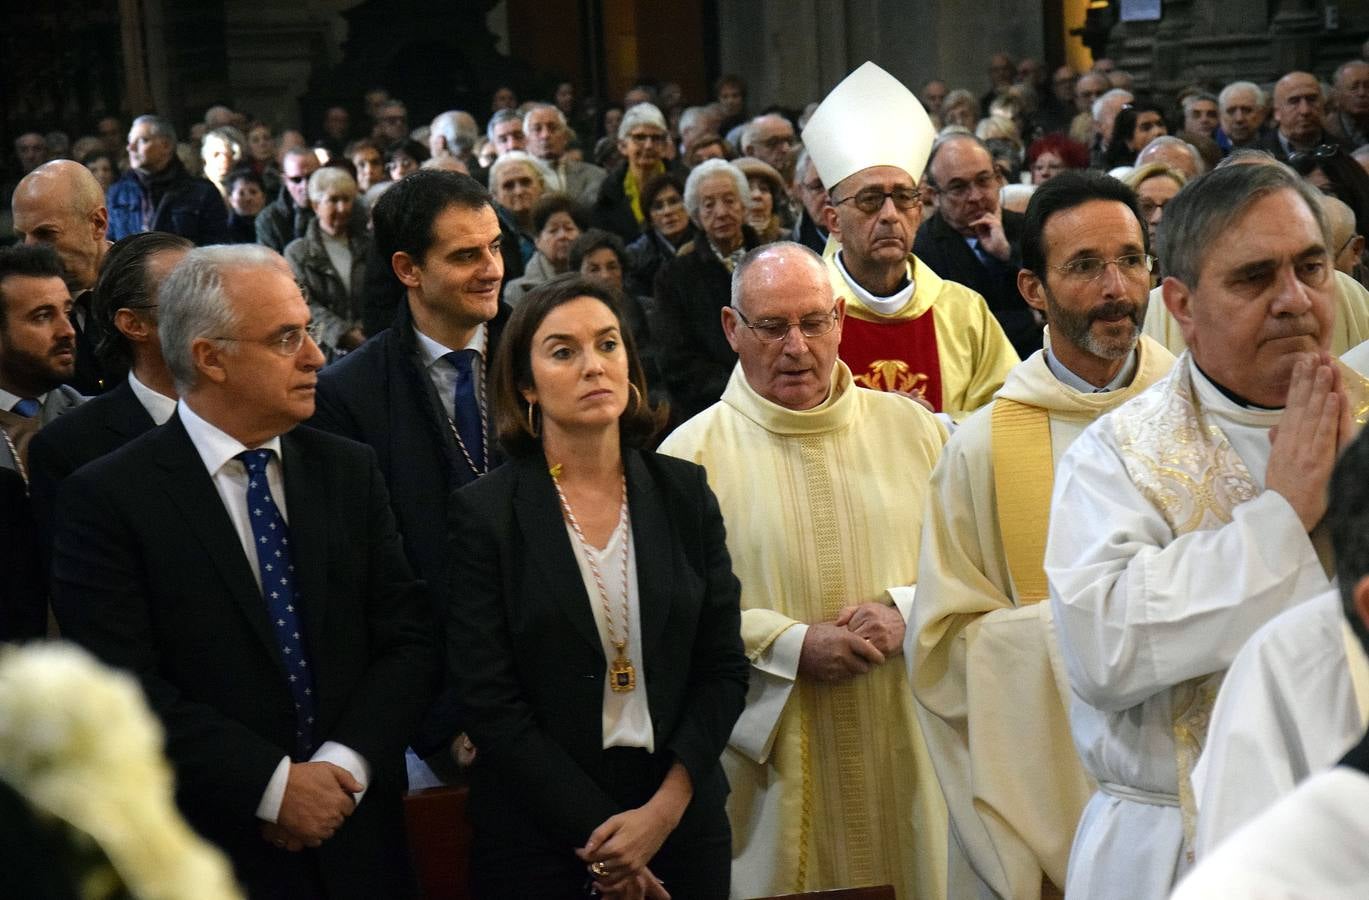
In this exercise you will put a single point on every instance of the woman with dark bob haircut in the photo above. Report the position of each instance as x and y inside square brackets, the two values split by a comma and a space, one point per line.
[593, 626]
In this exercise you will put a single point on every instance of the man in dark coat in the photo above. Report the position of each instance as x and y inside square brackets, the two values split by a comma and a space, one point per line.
[972, 240]
[249, 574]
[158, 194]
[288, 216]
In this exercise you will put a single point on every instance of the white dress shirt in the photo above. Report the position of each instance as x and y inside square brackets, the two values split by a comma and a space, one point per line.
[443, 374]
[218, 450]
[159, 406]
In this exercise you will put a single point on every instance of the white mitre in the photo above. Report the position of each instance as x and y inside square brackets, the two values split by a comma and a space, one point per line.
[870, 119]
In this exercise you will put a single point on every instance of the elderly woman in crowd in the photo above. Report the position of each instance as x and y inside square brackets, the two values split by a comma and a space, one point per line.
[517, 182]
[960, 108]
[704, 147]
[668, 230]
[103, 166]
[330, 261]
[1052, 154]
[1155, 185]
[692, 289]
[557, 220]
[222, 150]
[642, 139]
[593, 629]
[368, 162]
[767, 197]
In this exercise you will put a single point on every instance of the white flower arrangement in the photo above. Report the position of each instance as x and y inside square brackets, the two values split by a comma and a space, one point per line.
[78, 743]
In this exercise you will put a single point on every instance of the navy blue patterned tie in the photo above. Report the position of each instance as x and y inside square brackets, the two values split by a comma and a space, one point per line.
[271, 536]
[27, 407]
[467, 407]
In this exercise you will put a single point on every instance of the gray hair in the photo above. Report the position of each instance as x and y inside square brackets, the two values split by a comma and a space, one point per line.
[1233, 87]
[330, 178]
[707, 169]
[1210, 205]
[1164, 140]
[449, 125]
[641, 114]
[192, 302]
[1115, 94]
[560, 116]
[499, 118]
[160, 127]
[754, 255]
[231, 136]
[752, 129]
[1197, 98]
[540, 170]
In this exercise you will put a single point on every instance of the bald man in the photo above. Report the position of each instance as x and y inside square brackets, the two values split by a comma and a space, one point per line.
[1347, 244]
[60, 204]
[1300, 117]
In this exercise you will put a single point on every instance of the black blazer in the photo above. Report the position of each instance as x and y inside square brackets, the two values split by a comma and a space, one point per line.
[380, 395]
[532, 667]
[101, 425]
[150, 575]
[944, 249]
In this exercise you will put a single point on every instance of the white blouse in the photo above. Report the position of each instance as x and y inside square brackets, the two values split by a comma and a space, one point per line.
[627, 715]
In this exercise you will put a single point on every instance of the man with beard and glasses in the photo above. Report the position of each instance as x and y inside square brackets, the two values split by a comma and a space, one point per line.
[1186, 519]
[980, 647]
[37, 349]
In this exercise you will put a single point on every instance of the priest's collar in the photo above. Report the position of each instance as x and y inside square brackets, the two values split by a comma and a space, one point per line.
[1232, 395]
[832, 414]
[884, 306]
[1069, 379]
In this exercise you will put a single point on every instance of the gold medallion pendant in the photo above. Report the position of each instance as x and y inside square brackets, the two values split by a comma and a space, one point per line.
[622, 675]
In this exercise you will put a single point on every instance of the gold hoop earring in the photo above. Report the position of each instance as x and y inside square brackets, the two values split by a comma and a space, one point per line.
[636, 396]
[532, 428]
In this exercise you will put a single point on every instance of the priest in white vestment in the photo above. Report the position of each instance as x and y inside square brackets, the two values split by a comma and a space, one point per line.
[982, 654]
[1313, 841]
[1180, 524]
[822, 485]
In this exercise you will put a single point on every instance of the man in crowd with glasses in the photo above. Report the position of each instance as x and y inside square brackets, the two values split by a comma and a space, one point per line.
[981, 652]
[907, 330]
[289, 214]
[972, 240]
[770, 138]
[248, 573]
[1183, 521]
[1299, 116]
[831, 782]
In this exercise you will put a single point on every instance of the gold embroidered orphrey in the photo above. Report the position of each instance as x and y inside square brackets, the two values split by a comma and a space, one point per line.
[893, 375]
[1189, 471]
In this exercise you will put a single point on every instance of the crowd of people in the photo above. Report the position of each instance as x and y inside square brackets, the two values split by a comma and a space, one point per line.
[960, 493]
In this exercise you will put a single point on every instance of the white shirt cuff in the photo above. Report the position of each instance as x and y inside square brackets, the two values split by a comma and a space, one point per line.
[903, 599]
[339, 755]
[772, 679]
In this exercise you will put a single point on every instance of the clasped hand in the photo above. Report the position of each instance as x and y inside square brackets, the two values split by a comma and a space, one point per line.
[318, 799]
[1315, 426]
[619, 850]
[862, 637]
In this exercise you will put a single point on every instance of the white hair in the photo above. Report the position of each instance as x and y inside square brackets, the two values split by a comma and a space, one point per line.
[540, 170]
[560, 116]
[1233, 87]
[707, 169]
[641, 114]
[330, 178]
[1115, 94]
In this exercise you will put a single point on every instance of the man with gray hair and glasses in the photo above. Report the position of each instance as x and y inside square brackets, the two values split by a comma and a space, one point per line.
[248, 573]
[831, 781]
[157, 193]
[1184, 520]
[548, 135]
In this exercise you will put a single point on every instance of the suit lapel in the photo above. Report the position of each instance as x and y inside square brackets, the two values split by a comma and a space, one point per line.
[306, 502]
[129, 418]
[538, 511]
[654, 545]
[192, 491]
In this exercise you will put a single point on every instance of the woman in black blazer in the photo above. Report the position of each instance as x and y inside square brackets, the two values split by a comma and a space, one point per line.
[593, 626]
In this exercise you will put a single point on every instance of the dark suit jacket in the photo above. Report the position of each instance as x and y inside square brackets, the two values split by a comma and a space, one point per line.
[532, 673]
[944, 249]
[1269, 142]
[23, 594]
[380, 395]
[101, 425]
[151, 577]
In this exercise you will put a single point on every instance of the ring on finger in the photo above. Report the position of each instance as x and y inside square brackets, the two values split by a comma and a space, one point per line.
[599, 869]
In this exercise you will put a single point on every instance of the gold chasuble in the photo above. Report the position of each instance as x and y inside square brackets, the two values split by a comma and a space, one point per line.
[943, 343]
[1350, 329]
[982, 650]
[831, 781]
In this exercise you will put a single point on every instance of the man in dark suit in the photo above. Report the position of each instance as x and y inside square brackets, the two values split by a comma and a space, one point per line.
[249, 574]
[125, 310]
[972, 240]
[417, 393]
[1299, 117]
[60, 204]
